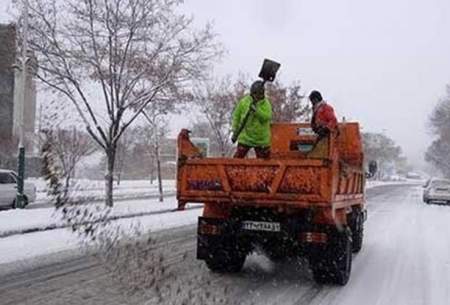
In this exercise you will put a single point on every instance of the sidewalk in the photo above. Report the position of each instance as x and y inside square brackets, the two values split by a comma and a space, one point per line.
[19, 249]
[94, 190]
[32, 220]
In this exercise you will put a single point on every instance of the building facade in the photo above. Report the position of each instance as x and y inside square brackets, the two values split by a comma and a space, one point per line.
[7, 80]
[11, 88]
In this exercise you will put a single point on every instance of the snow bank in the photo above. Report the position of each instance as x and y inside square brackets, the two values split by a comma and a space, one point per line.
[21, 247]
[17, 221]
[95, 189]
[374, 183]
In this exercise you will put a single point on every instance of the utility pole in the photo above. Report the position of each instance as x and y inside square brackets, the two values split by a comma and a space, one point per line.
[158, 162]
[21, 155]
[40, 128]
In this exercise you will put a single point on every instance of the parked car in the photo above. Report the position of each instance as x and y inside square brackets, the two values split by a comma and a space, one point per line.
[437, 190]
[8, 189]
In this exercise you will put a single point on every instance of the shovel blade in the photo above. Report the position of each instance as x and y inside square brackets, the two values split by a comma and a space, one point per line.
[269, 70]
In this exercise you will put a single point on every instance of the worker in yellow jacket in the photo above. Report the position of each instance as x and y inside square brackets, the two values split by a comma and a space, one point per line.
[256, 132]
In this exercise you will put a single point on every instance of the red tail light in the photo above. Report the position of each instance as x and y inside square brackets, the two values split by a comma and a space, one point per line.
[208, 229]
[313, 237]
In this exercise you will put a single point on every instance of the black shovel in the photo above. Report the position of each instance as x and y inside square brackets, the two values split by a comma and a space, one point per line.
[268, 72]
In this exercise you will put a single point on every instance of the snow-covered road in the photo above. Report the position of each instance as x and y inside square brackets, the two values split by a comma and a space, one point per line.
[405, 260]
[406, 257]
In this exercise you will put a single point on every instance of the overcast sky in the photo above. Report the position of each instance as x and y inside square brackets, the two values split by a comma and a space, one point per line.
[384, 63]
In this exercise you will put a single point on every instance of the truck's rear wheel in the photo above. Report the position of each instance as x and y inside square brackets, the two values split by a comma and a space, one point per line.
[333, 266]
[276, 256]
[226, 260]
[357, 228]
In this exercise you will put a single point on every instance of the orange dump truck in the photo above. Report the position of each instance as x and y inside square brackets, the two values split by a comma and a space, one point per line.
[306, 200]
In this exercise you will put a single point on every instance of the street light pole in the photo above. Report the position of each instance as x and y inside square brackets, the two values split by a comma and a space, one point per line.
[21, 155]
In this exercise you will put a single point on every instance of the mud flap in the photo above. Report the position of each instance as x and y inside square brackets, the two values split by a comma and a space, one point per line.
[211, 234]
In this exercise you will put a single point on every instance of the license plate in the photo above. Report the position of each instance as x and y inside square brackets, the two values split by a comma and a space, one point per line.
[261, 226]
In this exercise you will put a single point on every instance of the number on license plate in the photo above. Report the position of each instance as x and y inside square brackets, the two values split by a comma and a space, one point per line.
[261, 226]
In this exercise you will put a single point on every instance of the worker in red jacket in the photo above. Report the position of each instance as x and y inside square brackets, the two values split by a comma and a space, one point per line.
[324, 120]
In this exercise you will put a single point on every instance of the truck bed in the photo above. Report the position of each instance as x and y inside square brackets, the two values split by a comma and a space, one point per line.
[240, 180]
[288, 179]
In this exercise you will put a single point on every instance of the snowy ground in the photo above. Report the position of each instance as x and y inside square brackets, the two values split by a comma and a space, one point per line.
[405, 260]
[16, 247]
[150, 213]
[374, 183]
[95, 190]
[406, 256]
[32, 220]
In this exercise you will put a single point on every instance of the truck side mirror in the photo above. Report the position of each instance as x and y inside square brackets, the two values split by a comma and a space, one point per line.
[373, 169]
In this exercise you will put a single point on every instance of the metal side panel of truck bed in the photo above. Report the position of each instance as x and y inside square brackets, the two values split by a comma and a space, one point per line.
[301, 171]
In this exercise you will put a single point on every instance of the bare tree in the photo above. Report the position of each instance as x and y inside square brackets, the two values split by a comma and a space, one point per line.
[146, 165]
[124, 147]
[288, 104]
[70, 146]
[384, 150]
[156, 132]
[114, 58]
[438, 153]
[216, 100]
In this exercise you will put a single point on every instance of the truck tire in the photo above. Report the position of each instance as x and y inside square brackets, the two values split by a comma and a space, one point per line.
[334, 264]
[357, 228]
[225, 260]
[276, 256]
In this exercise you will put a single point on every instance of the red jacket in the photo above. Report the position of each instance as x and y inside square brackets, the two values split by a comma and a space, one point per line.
[324, 116]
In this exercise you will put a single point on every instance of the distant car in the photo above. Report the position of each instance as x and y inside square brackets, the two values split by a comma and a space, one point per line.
[437, 190]
[8, 189]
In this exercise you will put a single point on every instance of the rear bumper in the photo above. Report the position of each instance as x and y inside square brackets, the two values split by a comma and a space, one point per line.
[295, 238]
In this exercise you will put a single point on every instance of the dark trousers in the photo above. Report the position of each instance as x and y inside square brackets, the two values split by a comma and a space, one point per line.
[261, 152]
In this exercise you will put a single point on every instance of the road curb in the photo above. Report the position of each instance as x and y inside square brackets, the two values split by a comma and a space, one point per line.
[112, 218]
